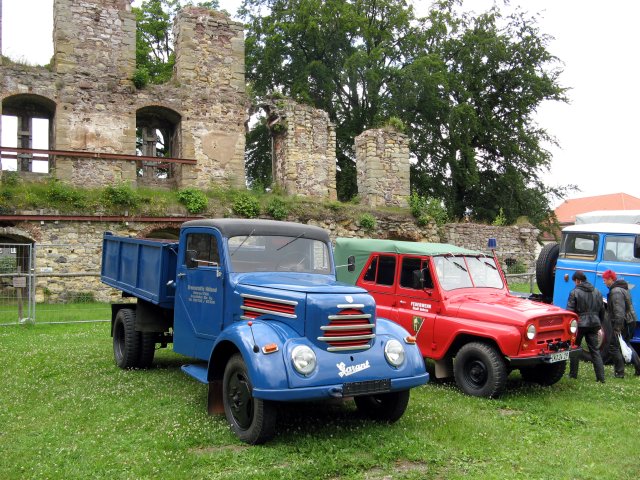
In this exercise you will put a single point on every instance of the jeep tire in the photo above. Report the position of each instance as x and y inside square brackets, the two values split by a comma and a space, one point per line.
[386, 407]
[252, 419]
[480, 370]
[546, 269]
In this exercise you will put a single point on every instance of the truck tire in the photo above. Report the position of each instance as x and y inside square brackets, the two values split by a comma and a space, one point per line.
[147, 349]
[546, 269]
[386, 407]
[480, 370]
[252, 419]
[545, 374]
[604, 336]
[126, 341]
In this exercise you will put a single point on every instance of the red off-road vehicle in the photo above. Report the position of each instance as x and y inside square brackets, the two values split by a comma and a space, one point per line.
[457, 303]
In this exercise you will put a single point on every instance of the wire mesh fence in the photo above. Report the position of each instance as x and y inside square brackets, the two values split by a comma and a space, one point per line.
[16, 284]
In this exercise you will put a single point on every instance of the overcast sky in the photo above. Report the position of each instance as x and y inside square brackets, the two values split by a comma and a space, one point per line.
[597, 41]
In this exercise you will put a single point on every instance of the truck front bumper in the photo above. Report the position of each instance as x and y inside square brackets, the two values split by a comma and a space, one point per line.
[547, 358]
[341, 390]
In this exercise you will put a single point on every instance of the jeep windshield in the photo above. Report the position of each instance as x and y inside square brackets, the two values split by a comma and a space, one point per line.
[275, 253]
[467, 271]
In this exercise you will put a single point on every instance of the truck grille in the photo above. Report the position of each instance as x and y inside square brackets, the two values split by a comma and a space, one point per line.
[350, 329]
[255, 306]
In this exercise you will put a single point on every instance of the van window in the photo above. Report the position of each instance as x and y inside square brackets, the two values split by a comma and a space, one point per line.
[619, 248]
[579, 246]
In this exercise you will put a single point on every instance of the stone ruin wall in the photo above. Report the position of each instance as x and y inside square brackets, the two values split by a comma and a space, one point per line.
[382, 163]
[304, 149]
[90, 89]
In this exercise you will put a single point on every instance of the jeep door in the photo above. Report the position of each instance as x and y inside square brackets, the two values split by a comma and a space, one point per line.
[418, 301]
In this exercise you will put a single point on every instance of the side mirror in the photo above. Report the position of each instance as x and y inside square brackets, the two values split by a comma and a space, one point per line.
[191, 259]
[636, 247]
[351, 263]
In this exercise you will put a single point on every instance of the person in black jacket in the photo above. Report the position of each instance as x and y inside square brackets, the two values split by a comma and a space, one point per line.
[586, 301]
[619, 307]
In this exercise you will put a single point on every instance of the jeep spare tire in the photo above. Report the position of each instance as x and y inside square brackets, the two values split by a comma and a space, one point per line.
[546, 268]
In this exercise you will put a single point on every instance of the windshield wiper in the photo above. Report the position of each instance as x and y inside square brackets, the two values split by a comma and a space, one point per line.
[290, 241]
[242, 242]
[446, 257]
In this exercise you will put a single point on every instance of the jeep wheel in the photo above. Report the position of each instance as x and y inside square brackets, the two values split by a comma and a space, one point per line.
[126, 341]
[253, 420]
[545, 374]
[546, 269]
[480, 370]
[386, 407]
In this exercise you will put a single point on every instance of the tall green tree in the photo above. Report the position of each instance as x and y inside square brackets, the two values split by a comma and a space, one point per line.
[467, 87]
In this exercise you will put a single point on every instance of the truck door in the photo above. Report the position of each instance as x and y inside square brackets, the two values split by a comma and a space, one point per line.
[199, 293]
[417, 300]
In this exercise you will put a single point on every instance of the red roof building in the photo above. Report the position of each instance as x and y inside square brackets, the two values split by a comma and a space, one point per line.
[567, 211]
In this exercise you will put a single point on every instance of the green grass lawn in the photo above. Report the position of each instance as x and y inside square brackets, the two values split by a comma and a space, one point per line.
[66, 411]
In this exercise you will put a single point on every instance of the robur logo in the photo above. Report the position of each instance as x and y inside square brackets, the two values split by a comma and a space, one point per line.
[346, 371]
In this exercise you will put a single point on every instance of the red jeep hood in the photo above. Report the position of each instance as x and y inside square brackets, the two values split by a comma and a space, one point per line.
[499, 308]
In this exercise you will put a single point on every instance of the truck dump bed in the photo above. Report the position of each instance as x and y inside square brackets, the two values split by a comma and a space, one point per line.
[140, 267]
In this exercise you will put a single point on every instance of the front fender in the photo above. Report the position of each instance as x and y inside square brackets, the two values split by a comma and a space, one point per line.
[266, 370]
[507, 337]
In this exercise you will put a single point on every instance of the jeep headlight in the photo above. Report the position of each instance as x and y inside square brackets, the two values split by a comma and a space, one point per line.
[304, 359]
[531, 331]
[394, 352]
[573, 326]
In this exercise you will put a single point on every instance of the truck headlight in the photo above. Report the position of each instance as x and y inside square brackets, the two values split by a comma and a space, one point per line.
[573, 326]
[531, 331]
[394, 352]
[304, 359]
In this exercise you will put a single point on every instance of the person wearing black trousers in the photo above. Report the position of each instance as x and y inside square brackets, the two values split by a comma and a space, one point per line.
[618, 307]
[586, 301]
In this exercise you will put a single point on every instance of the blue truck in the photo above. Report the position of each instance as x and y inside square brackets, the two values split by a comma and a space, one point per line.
[255, 304]
[592, 248]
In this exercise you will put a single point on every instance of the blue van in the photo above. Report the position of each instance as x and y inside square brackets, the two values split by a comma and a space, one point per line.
[592, 248]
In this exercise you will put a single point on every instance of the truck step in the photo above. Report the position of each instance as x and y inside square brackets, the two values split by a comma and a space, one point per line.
[199, 372]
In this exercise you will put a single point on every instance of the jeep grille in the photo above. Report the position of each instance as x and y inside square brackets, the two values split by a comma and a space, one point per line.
[350, 329]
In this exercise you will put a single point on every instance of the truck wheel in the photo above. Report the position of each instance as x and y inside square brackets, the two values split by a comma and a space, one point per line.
[480, 370]
[126, 341]
[546, 269]
[546, 374]
[386, 407]
[147, 349]
[253, 420]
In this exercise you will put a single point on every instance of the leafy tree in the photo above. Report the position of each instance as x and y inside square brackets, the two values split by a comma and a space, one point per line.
[465, 86]
[154, 43]
[258, 156]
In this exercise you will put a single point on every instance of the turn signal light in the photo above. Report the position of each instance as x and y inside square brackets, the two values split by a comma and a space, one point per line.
[411, 340]
[269, 348]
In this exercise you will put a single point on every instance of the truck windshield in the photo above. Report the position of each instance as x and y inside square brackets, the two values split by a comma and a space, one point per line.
[276, 253]
[467, 272]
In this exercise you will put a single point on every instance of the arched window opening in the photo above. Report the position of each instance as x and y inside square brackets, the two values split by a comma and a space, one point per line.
[157, 135]
[27, 122]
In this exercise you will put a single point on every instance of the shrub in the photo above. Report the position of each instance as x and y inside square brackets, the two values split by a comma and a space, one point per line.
[246, 205]
[121, 195]
[60, 193]
[277, 208]
[500, 220]
[141, 77]
[425, 209]
[368, 222]
[194, 200]
[10, 178]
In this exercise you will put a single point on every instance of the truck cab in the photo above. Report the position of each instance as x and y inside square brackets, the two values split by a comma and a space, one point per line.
[256, 307]
[592, 248]
[457, 304]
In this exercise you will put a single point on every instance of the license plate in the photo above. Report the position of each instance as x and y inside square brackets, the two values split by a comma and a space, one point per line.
[559, 357]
